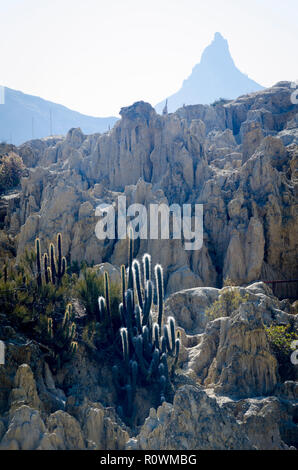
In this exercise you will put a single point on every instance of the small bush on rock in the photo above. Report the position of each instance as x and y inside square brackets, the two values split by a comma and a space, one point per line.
[11, 170]
[229, 300]
[89, 287]
[280, 338]
[34, 293]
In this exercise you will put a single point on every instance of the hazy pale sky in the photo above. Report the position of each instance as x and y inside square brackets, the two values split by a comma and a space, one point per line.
[96, 56]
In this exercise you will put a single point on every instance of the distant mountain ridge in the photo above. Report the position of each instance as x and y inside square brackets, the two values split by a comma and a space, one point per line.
[216, 76]
[23, 117]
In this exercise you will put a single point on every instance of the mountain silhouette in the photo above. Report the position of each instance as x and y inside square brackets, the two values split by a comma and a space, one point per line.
[23, 117]
[215, 77]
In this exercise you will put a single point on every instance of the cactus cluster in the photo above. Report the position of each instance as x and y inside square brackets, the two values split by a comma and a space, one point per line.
[53, 268]
[62, 335]
[146, 344]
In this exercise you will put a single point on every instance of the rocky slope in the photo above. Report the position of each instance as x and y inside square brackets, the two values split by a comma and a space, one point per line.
[229, 393]
[238, 159]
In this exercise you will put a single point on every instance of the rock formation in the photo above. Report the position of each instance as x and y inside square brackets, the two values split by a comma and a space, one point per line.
[228, 390]
[237, 159]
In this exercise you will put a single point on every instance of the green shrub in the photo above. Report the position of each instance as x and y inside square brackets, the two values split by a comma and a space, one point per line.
[228, 282]
[89, 287]
[228, 301]
[29, 302]
[89, 335]
[11, 170]
[60, 335]
[280, 338]
[24, 301]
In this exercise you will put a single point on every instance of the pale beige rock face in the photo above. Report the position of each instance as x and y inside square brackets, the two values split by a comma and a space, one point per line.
[243, 364]
[25, 431]
[113, 272]
[245, 254]
[64, 432]
[189, 306]
[101, 430]
[182, 277]
[252, 137]
[199, 421]
[231, 158]
[97, 427]
[254, 249]
[24, 391]
[230, 354]
[94, 427]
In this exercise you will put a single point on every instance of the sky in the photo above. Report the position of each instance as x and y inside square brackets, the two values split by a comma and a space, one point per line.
[95, 56]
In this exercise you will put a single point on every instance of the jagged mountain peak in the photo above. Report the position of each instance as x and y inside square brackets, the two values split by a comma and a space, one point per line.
[215, 76]
[217, 51]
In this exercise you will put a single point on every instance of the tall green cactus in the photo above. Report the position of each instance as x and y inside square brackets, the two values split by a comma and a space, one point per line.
[53, 263]
[46, 268]
[107, 294]
[138, 281]
[53, 269]
[58, 266]
[160, 293]
[145, 345]
[38, 262]
[5, 274]
[49, 274]
[62, 335]
[61, 261]
[101, 309]
[147, 267]
[130, 259]
[125, 346]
